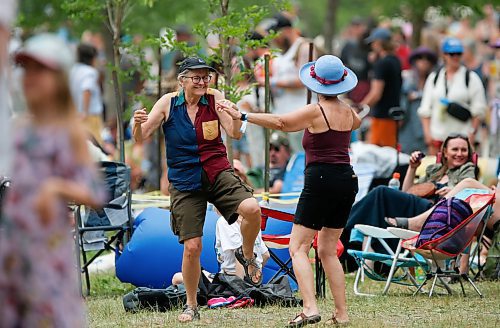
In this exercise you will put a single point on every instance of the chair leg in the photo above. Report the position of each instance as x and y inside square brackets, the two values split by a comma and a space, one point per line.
[393, 269]
[466, 276]
[356, 284]
[433, 285]
[445, 285]
[420, 286]
[85, 267]
[461, 285]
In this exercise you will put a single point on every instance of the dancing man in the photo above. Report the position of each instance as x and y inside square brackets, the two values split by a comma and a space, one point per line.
[199, 172]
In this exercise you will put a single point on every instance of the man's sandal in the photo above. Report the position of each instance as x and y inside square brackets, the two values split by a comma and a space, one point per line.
[334, 322]
[304, 320]
[191, 312]
[246, 263]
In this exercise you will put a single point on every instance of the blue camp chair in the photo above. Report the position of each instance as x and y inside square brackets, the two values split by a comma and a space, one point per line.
[399, 261]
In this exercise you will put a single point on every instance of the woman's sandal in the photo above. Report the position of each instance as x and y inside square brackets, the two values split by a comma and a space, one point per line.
[400, 222]
[304, 320]
[191, 312]
[249, 277]
[333, 321]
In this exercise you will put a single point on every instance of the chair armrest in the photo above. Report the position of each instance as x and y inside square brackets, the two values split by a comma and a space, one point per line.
[402, 233]
[374, 232]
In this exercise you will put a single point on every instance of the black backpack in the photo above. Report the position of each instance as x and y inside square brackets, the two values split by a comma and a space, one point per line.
[162, 300]
[467, 76]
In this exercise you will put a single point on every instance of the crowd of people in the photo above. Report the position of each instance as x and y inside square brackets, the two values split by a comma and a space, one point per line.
[440, 98]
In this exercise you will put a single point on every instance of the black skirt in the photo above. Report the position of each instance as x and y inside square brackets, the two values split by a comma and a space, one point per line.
[328, 194]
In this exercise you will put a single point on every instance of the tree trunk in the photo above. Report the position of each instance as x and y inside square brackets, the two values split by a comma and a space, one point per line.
[116, 11]
[226, 58]
[330, 24]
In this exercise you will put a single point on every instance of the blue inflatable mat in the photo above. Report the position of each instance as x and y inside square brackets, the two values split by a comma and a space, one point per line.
[154, 255]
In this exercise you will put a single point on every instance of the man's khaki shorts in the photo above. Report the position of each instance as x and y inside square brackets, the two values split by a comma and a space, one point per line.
[188, 208]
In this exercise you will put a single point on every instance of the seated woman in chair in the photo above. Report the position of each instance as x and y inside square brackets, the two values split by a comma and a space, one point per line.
[383, 202]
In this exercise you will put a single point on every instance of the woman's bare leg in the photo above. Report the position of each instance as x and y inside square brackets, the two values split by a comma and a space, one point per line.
[300, 244]
[327, 250]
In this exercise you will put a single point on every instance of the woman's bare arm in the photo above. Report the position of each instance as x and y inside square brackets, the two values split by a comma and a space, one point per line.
[297, 120]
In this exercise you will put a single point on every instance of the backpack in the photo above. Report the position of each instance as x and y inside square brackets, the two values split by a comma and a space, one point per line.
[447, 214]
[467, 77]
[144, 298]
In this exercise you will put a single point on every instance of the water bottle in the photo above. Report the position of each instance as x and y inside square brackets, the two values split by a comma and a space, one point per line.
[420, 275]
[394, 182]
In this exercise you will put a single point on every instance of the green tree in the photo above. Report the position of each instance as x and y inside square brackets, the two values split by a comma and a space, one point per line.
[231, 22]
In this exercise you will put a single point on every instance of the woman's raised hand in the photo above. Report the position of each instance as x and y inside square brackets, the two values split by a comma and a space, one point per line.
[229, 107]
[140, 116]
[415, 159]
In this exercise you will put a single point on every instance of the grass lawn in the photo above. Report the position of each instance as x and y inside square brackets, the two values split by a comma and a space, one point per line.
[398, 309]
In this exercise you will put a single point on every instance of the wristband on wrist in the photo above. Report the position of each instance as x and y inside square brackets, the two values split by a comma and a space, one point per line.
[244, 119]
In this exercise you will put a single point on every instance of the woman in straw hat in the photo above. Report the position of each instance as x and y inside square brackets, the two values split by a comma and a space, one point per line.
[330, 183]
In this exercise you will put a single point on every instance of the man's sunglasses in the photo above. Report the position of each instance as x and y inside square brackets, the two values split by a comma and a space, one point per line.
[454, 54]
[275, 148]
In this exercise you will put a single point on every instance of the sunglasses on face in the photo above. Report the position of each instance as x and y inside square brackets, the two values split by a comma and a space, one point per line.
[454, 54]
[275, 148]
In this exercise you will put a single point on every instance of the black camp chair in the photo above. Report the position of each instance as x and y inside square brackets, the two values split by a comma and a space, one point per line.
[97, 230]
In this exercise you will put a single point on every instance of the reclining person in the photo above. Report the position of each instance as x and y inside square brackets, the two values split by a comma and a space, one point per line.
[382, 202]
[416, 223]
[228, 238]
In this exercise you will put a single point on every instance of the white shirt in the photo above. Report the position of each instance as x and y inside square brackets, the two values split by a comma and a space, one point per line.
[82, 78]
[285, 69]
[472, 97]
[227, 239]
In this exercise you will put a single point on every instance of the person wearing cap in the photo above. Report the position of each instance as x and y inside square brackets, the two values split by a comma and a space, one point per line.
[279, 155]
[288, 91]
[385, 88]
[199, 171]
[453, 100]
[411, 135]
[330, 184]
[51, 167]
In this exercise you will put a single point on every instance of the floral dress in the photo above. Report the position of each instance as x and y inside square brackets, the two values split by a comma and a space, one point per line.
[38, 275]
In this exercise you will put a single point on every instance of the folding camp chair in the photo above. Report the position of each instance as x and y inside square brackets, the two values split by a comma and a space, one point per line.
[396, 260]
[285, 212]
[451, 245]
[93, 227]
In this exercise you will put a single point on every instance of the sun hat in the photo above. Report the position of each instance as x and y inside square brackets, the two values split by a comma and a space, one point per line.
[379, 33]
[195, 63]
[328, 76]
[452, 46]
[48, 50]
[423, 52]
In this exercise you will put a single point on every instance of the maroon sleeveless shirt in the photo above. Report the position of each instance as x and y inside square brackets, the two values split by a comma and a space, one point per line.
[331, 147]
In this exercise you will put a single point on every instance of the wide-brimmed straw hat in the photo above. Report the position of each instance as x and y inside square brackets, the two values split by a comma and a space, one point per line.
[328, 76]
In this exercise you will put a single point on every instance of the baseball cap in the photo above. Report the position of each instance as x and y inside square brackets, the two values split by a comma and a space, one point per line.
[278, 139]
[280, 21]
[379, 33]
[195, 63]
[452, 46]
[47, 49]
